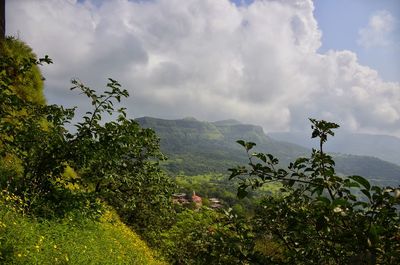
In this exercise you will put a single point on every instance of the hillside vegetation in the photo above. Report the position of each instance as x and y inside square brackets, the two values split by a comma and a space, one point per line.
[96, 194]
[70, 240]
[55, 208]
[196, 147]
[384, 147]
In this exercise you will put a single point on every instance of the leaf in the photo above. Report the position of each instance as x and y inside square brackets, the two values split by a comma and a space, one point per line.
[373, 233]
[350, 184]
[324, 200]
[241, 142]
[241, 193]
[315, 133]
[362, 204]
[339, 201]
[362, 181]
[366, 193]
[300, 160]
[291, 182]
[321, 223]
[237, 171]
[271, 157]
[261, 156]
[249, 145]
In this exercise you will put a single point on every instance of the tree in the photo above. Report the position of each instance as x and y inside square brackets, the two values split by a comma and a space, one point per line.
[20, 66]
[322, 217]
[114, 161]
[21, 99]
[2, 19]
[205, 236]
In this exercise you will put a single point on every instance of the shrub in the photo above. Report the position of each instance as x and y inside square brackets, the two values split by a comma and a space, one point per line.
[321, 217]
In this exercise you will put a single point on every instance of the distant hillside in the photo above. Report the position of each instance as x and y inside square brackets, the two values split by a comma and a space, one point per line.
[381, 146]
[196, 147]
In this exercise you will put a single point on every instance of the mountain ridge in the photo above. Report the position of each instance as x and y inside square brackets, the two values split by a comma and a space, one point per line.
[198, 147]
[384, 147]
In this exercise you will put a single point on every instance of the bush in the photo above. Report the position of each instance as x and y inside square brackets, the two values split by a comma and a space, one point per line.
[321, 217]
[64, 178]
[204, 236]
[116, 161]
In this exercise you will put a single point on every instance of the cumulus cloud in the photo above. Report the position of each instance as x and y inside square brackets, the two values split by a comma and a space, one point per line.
[209, 59]
[378, 32]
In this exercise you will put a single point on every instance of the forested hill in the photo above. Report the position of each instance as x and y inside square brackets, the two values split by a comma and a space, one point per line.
[197, 147]
[384, 147]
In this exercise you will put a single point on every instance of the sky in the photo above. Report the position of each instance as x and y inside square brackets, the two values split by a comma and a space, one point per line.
[273, 63]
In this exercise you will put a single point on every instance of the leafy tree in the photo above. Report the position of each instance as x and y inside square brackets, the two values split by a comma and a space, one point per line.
[21, 85]
[73, 174]
[114, 161]
[20, 66]
[21, 108]
[208, 237]
[321, 217]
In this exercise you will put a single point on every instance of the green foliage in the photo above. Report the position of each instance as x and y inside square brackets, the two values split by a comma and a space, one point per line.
[212, 186]
[26, 137]
[208, 237]
[197, 148]
[56, 183]
[34, 136]
[323, 218]
[220, 187]
[193, 148]
[71, 240]
[16, 64]
[60, 188]
[114, 161]
[64, 178]
[117, 160]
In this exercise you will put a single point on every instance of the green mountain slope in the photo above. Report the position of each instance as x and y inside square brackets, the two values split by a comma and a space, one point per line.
[196, 147]
[384, 147]
[71, 240]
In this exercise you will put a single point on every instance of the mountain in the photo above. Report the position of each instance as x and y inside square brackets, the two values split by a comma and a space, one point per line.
[381, 146]
[197, 147]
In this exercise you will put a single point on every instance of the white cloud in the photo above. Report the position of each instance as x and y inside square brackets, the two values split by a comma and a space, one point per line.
[209, 59]
[378, 32]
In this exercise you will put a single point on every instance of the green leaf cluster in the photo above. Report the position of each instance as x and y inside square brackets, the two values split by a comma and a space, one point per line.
[208, 237]
[115, 161]
[322, 217]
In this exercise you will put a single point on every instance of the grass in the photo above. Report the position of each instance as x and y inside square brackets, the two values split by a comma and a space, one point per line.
[27, 240]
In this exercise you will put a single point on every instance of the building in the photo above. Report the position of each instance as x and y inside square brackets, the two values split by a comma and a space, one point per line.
[197, 200]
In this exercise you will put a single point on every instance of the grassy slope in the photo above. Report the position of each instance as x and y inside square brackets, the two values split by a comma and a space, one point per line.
[24, 240]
